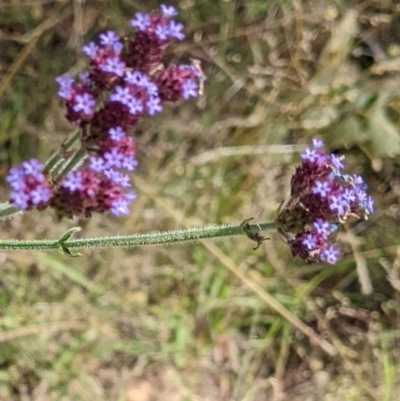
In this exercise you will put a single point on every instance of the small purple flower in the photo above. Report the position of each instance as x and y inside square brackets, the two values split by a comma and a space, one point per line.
[359, 181]
[141, 21]
[337, 162]
[90, 49]
[113, 158]
[162, 32]
[84, 103]
[120, 206]
[84, 77]
[310, 155]
[16, 178]
[113, 65]
[118, 178]
[189, 89]
[369, 207]
[330, 255]
[32, 167]
[322, 227]
[19, 200]
[152, 89]
[65, 81]
[317, 143]
[175, 30]
[168, 11]
[339, 204]
[321, 188]
[110, 38]
[310, 242]
[116, 134]
[129, 163]
[97, 164]
[136, 78]
[121, 94]
[72, 182]
[40, 195]
[135, 106]
[349, 195]
[154, 105]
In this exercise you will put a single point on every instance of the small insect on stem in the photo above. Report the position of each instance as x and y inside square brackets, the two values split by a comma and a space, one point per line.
[254, 236]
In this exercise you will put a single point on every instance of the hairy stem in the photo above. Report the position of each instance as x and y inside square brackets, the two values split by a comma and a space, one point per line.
[166, 237]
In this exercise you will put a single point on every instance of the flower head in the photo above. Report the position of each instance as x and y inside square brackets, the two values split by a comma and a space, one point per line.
[321, 199]
[29, 186]
[124, 82]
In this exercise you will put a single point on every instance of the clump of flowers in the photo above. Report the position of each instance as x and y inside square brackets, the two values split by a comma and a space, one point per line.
[125, 82]
[321, 199]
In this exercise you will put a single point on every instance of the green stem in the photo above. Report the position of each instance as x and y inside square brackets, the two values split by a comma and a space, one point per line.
[7, 211]
[66, 146]
[74, 161]
[65, 244]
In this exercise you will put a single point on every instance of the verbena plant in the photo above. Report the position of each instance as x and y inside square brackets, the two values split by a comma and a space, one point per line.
[126, 81]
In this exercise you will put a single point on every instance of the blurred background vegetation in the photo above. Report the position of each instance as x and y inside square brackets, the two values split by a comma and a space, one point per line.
[196, 322]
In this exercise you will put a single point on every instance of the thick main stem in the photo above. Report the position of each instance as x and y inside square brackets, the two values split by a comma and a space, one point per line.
[166, 237]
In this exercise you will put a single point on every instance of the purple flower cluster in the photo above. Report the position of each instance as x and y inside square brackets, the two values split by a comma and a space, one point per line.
[124, 82]
[29, 186]
[101, 186]
[322, 198]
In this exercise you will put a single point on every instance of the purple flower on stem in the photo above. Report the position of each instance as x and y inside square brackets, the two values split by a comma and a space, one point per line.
[136, 78]
[110, 38]
[113, 65]
[321, 188]
[120, 206]
[135, 106]
[121, 94]
[369, 205]
[175, 30]
[321, 200]
[322, 227]
[72, 182]
[189, 89]
[141, 21]
[98, 164]
[310, 242]
[162, 32]
[84, 77]
[40, 195]
[154, 105]
[29, 186]
[337, 161]
[330, 255]
[90, 49]
[168, 11]
[113, 158]
[33, 167]
[310, 155]
[84, 103]
[116, 134]
[152, 89]
[65, 81]
[19, 200]
[339, 204]
[317, 143]
[118, 178]
[129, 163]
